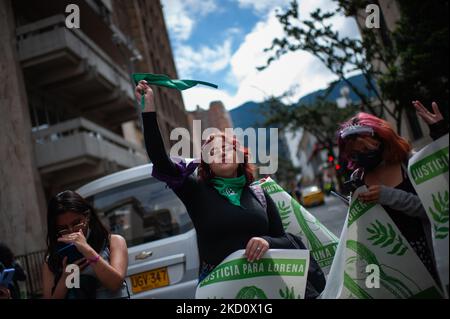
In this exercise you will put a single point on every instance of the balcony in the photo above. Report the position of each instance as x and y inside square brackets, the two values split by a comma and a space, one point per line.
[74, 152]
[68, 65]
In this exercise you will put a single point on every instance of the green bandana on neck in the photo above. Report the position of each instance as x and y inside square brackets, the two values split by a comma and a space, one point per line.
[164, 80]
[230, 188]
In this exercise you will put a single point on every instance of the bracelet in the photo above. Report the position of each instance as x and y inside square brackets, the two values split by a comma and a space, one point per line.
[94, 260]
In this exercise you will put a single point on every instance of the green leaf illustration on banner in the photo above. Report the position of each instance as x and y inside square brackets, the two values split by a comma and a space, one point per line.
[288, 293]
[440, 214]
[394, 285]
[386, 236]
[313, 240]
[251, 292]
[284, 211]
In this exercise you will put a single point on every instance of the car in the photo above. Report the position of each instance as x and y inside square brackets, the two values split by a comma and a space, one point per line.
[163, 258]
[312, 196]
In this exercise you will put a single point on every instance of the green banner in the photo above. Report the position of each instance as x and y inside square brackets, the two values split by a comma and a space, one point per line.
[272, 188]
[297, 220]
[429, 174]
[357, 209]
[280, 274]
[373, 259]
[325, 254]
[430, 166]
[240, 269]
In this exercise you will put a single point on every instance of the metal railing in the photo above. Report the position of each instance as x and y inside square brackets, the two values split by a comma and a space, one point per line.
[32, 264]
[79, 138]
[53, 32]
[78, 125]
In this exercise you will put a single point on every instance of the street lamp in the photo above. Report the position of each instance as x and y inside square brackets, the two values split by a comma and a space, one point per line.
[344, 99]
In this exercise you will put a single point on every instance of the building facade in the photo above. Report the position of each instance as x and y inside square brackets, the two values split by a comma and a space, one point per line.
[216, 116]
[68, 109]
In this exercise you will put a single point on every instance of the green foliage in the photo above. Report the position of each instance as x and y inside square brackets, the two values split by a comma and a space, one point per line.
[319, 119]
[421, 46]
[414, 57]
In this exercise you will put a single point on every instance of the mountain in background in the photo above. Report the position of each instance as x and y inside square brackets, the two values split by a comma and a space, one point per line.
[249, 113]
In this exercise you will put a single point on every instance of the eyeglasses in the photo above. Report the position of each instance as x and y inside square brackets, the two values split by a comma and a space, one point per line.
[72, 229]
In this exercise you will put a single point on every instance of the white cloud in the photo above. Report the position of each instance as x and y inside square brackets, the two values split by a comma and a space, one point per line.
[202, 96]
[233, 31]
[203, 59]
[263, 6]
[180, 15]
[295, 68]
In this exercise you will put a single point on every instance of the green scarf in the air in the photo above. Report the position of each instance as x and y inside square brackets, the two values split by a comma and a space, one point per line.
[230, 188]
[164, 80]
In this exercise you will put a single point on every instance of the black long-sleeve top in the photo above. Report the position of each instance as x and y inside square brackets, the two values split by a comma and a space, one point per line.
[222, 228]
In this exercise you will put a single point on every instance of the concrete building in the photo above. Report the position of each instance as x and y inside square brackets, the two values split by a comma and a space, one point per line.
[66, 97]
[309, 160]
[216, 116]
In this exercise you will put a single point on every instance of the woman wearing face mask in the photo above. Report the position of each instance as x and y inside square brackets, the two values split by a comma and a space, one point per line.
[379, 158]
[72, 220]
[227, 213]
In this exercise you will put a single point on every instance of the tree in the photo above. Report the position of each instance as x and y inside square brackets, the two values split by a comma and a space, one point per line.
[341, 55]
[421, 42]
[402, 79]
[321, 119]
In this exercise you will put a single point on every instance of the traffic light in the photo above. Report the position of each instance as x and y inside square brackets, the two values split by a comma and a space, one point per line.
[337, 167]
[330, 158]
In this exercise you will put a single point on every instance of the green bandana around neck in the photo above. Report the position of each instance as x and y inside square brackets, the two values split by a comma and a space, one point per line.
[164, 80]
[230, 188]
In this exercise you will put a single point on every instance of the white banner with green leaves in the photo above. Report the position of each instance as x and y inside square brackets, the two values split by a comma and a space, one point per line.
[428, 172]
[374, 260]
[280, 274]
[298, 221]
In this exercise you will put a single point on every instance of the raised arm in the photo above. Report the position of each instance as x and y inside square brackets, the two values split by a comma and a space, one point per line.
[152, 135]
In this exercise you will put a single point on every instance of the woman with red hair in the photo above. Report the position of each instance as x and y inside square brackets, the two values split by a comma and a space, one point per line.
[227, 212]
[379, 158]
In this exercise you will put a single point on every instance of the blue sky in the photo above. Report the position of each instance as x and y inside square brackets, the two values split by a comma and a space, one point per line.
[222, 41]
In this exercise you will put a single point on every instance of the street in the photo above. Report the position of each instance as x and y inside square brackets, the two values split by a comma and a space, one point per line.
[332, 214]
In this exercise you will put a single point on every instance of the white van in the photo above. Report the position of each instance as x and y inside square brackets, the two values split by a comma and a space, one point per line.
[163, 258]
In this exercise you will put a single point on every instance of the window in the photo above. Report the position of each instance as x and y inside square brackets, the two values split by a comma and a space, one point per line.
[142, 211]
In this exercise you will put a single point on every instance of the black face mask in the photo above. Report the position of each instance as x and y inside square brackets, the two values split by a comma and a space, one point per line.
[369, 160]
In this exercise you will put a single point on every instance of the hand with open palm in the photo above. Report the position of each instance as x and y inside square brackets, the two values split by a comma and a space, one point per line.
[427, 116]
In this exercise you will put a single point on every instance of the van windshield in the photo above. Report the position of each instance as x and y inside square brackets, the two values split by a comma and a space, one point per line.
[142, 211]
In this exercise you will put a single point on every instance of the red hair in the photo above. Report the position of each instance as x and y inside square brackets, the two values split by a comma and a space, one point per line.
[396, 148]
[204, 170]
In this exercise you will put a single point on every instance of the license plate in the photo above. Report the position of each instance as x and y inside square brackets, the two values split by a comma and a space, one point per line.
[149, 280]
